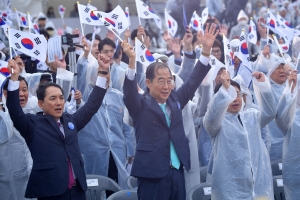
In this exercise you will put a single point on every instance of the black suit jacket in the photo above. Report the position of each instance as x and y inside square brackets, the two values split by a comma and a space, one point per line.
[50, 151]
[152, 157]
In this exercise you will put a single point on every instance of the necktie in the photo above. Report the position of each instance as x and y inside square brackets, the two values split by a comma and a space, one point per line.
[71, 176]
[175, 162]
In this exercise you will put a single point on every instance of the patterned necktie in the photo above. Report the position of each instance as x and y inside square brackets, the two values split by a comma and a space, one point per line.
[71, 176]
[175, 162]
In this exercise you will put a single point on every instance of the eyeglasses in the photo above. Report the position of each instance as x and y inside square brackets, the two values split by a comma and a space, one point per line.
[217, 52]
[163, 83]
[239, 95]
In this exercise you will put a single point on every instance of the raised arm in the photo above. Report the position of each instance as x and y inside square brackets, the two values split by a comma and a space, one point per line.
[265, 98]
[22, 122]
[218, 106]
[86, 112]
[132, 99]
[286, 108]
[187, 90]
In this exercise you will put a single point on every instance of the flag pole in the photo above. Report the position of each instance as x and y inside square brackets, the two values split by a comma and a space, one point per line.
[28, 18]
[225, 56]
[79, 19]
[166, 21]
[10, 51]
[268, 28]
[18, 19]
[275, 38]
[139, 17]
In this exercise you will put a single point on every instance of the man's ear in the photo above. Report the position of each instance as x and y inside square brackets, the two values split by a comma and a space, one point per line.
[41, 104]
[148, 83]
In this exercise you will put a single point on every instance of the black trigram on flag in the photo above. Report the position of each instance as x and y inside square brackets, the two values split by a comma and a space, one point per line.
[142, 58]
[145, 5]
[242, 38]
[114, 16]
[106, 23]
[143, 47]
[228, 47]
[18, 46]
[213, 61]
[36, 52]
[88, 20]
[17, 35]
[146, 13]
[251, 36]
[37, 40]
[86, 10]
[120, 25]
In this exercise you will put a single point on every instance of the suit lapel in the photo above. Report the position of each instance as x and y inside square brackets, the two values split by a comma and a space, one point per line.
[55, 126]
[173, 109]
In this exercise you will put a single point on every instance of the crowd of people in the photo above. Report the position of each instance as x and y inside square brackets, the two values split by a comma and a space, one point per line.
[159, 123]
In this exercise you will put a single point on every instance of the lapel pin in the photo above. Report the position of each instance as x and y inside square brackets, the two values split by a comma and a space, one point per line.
[71, 125]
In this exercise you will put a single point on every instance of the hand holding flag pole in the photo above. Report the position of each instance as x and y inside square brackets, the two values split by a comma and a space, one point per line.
[10, 52]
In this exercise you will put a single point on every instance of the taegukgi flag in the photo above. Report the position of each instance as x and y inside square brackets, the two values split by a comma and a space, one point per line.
[30, 44]
[252, 34]
[145, 12]
[171, 24]
[143, 55]
[196, 22]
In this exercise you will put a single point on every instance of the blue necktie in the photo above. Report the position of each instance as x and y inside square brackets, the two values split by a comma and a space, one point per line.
[175, 162]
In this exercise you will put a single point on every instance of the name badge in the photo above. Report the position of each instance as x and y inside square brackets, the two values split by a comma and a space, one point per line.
[71, 125]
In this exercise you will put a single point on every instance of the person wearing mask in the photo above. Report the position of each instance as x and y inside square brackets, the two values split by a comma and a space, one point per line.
[242, 21]
[57, 171]
[239, 154]
[161, 145]
[287, 119]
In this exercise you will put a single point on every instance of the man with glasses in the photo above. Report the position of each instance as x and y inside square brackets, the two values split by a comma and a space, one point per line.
[161, 145]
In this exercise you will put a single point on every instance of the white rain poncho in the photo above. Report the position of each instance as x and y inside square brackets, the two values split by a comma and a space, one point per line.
[117, 76]
[15, 161]
[276, 135]
[192, 178]
[240, 163]
[288, 120]
[106, 131]
[65, 78]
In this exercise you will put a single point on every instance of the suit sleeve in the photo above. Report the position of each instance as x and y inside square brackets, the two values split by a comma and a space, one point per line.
[22, 122]
[87, 111]
[188, 89]
[132, 99]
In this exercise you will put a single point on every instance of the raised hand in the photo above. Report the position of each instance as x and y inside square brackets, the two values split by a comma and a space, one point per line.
[127, 35]
[260, 77]
[225, 80]
[128, 49]
[188, 40]
[141, 34]
[104, 62]
[176, 47]
[207, 40]
[223, 30]
[77, 96]
[262, 30]
[12, 66]
[293, 79]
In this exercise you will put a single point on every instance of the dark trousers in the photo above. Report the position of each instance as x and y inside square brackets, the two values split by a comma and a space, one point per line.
[170, 187]
[112, 172]
[75, 193]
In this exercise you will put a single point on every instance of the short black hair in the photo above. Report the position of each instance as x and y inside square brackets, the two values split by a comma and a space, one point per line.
[89, 37]
[233, 83]
[153, 68]
[106, 41]
[20, 78]
[41, 90]
[45, 33]
[134, 34]
[46, 77]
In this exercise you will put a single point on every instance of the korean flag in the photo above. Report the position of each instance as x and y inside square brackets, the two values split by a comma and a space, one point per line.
[30, 44]
[145, 12]
[196, 22]
[22, 19]
[143, 55]
[171, 24]
[252, 35]
[89, 16]
[243, 53]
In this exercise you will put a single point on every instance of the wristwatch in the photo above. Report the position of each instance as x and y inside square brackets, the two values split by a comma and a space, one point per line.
[103, 72]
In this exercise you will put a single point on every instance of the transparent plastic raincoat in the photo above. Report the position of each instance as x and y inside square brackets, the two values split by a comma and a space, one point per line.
[288, 120]
[15, 161]
[106, 131]
[240, 163]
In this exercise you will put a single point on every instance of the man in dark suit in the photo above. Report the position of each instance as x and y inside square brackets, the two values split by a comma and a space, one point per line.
[58, 169]
[162, 149]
